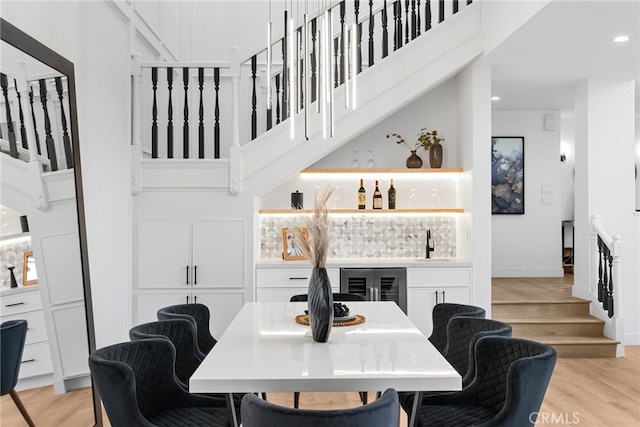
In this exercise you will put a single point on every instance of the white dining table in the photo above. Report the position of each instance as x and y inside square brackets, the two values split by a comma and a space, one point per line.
[265, 350]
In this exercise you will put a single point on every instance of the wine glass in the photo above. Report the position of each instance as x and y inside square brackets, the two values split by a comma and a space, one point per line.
[371, 163]
[354, 162]
[435, 198]
[413, 198]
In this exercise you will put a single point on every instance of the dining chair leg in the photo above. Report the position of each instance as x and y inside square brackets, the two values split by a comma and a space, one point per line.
[364, 397]
[296, 399]
[21, 408]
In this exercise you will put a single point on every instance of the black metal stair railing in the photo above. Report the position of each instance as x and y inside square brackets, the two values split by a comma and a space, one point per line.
[206, 86]
[47, 106]
[605, 277]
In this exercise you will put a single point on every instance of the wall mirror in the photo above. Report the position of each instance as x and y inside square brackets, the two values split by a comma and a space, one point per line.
[29, 273]
[56, 213]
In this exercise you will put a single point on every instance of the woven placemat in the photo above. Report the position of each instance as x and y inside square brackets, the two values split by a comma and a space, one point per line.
[303, 319]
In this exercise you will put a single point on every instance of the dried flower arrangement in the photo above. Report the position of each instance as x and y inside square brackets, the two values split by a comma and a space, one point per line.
[425, 139]
[315, 245]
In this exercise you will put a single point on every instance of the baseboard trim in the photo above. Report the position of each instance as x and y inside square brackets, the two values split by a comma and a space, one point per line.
[547, 272]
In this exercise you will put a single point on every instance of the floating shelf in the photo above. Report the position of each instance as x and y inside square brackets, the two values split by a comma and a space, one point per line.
[385, 171]
[362, 211]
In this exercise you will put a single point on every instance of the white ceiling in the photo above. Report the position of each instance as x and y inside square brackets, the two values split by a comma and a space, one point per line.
[566, 42]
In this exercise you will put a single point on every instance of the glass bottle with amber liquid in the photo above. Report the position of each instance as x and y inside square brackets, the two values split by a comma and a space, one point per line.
[362, 196]
[377, 198]
[392, 196]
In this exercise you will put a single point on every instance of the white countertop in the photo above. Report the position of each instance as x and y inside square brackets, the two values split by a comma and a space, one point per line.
[370, 262]
[265, 350]
[4, 292]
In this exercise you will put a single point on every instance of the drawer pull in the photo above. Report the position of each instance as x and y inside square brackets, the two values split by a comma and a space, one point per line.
[14, 304]
[298, 278]
[28, 360]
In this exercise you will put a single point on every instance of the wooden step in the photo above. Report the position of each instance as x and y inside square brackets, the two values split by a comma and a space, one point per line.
[579, 346]
[567, 308]
[555, 326]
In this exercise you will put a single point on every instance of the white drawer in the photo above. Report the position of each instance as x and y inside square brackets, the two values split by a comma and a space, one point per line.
[418, 277]
[291, 277]
[36, 331]
[21, 303]
[36, 360]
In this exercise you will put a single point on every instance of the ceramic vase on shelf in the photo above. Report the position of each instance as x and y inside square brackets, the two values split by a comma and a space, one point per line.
[435, 156]
[320, 302]
[414, 161]
[14, 282]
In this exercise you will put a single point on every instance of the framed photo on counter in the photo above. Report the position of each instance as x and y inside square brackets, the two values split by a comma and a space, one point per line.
[290, 250]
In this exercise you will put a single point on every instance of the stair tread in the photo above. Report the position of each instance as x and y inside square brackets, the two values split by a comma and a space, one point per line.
[559, 319]
[572, 340]
[555, 301]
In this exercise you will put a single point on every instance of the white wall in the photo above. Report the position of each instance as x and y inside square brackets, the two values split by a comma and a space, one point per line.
[605, 187]
[530, 245]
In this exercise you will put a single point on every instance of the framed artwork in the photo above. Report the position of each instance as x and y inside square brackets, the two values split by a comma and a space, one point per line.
[29, 275]
[290, 250]
[507, 175]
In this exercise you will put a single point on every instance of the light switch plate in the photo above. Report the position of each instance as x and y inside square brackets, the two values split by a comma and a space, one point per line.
[546, 188]
[548, 200]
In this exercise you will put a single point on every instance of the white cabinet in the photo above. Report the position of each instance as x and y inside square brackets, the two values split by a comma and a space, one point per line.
[280, 284]
[427, 287]
[190, 253]
[188, 261]
[36, 357]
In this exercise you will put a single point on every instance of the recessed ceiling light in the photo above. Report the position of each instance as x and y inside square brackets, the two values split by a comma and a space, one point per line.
[621, 39]
[495, 98]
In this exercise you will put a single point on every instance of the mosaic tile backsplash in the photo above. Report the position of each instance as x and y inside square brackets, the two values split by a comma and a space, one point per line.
[12, 255]
[365, 236]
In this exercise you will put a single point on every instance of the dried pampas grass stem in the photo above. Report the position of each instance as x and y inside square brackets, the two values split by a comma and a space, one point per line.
[315, 246]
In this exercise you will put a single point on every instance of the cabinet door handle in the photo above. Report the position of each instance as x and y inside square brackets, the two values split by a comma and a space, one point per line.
[377, 292]
[443, 298]
[14, 304]
[436, 297]
[195, 275]
[187, 299]
[28, 360]
[298, 278]
[195, 299]
[187, 275]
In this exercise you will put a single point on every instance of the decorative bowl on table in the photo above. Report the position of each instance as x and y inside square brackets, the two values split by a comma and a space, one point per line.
[341, 313]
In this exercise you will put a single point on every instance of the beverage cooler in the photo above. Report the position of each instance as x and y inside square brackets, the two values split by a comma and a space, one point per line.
[376, 284]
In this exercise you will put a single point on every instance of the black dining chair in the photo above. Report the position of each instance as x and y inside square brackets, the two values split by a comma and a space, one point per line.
[337, 297]
[509, 384]
[199, 315]
[13, 334]
[462, 334]
[382, 412]
[138, 387]
[441, 314]
[182, 334]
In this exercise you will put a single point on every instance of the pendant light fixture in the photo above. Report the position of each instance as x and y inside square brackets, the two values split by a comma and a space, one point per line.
[292, 76]
[269, 67]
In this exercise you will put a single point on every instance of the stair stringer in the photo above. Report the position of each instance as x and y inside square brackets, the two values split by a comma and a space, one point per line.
[390, 85]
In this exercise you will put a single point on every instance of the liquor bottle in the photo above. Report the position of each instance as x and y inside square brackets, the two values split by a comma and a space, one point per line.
[362, 196]
[392, 196]
[377, 198]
